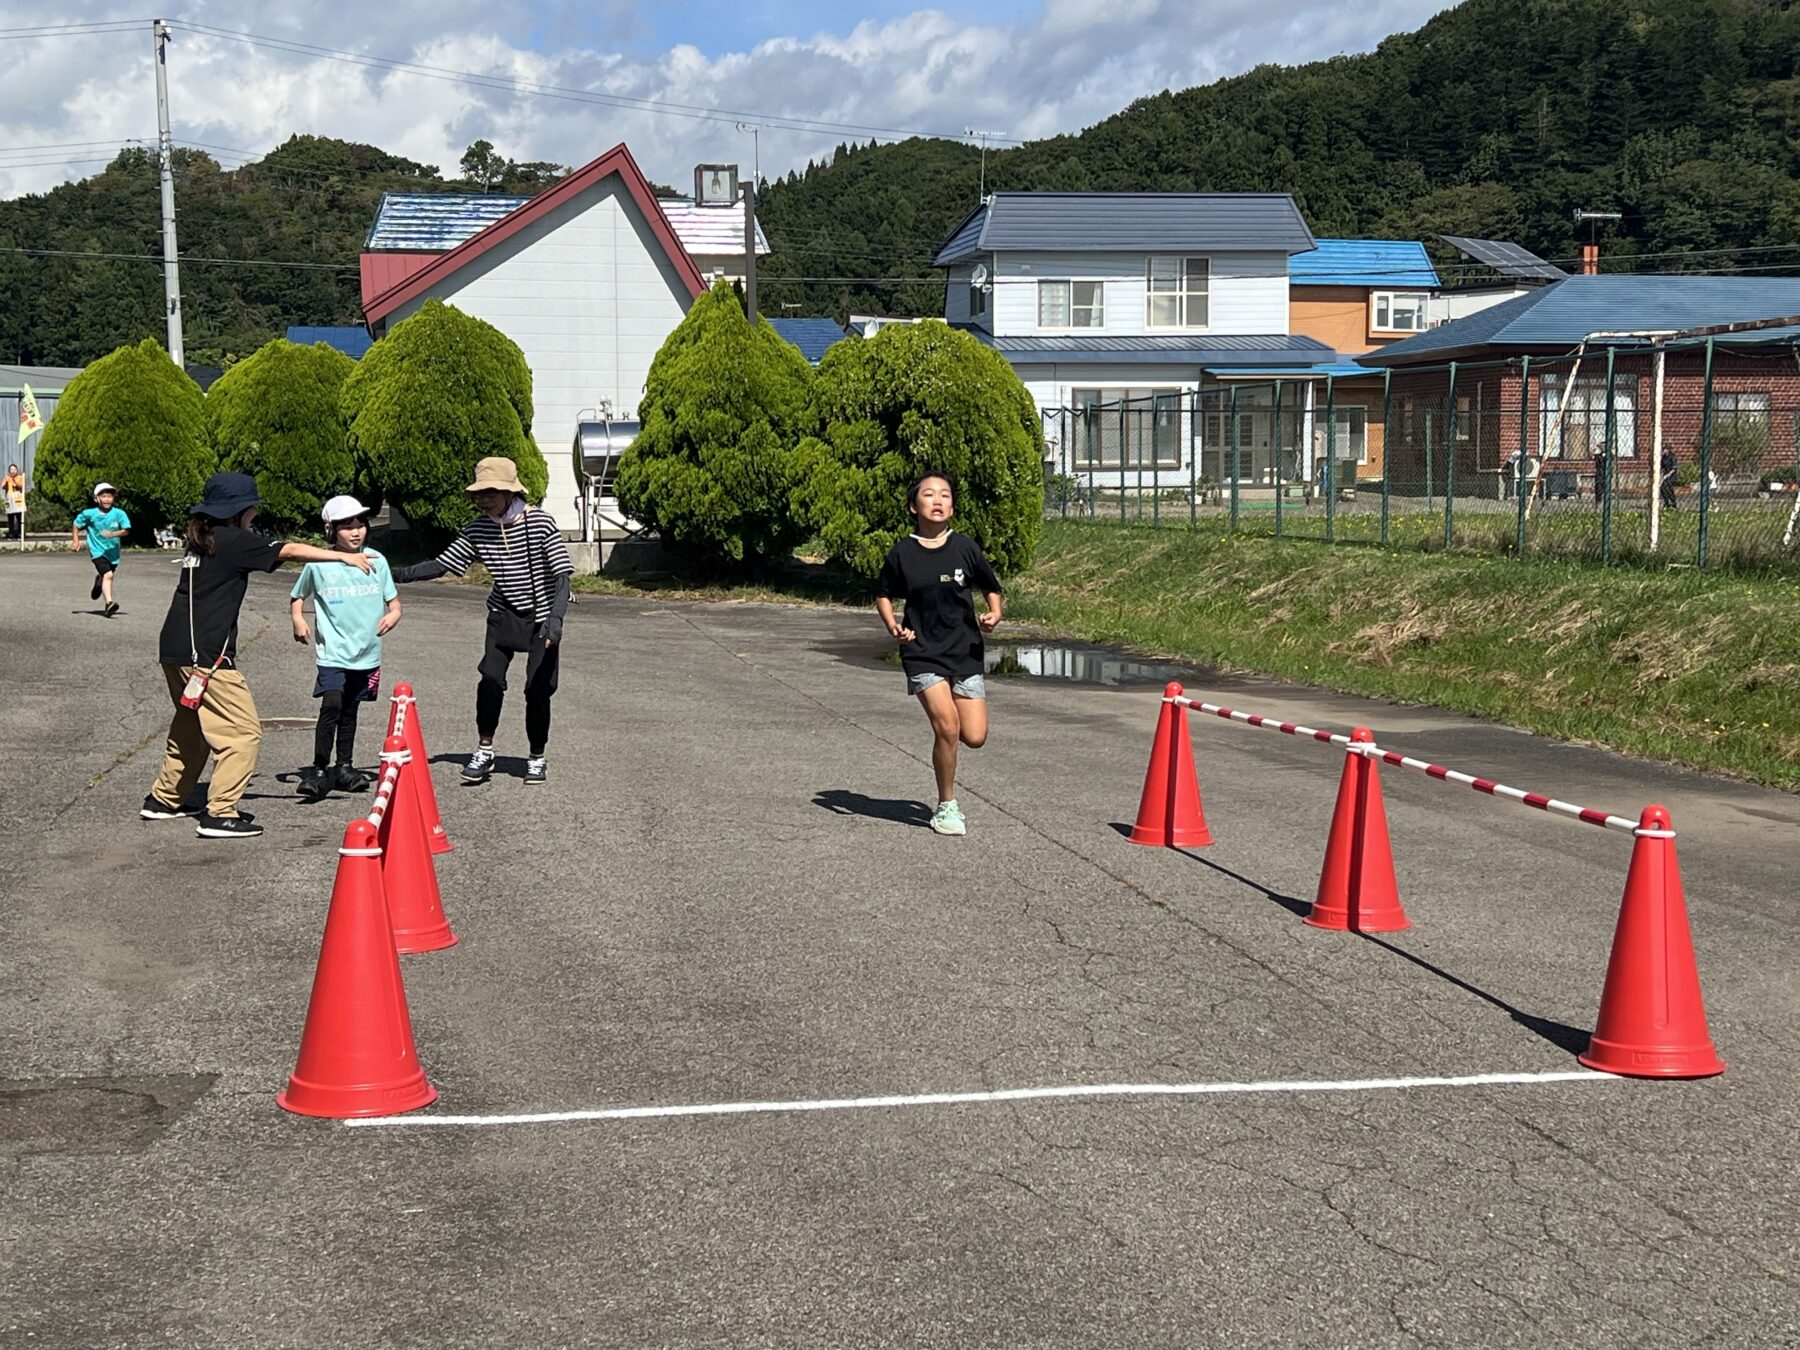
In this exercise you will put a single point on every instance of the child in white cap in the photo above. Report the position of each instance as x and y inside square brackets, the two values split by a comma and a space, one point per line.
[352, 611]
[101, 526]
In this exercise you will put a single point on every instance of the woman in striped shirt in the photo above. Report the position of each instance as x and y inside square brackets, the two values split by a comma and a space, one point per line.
[530, 564]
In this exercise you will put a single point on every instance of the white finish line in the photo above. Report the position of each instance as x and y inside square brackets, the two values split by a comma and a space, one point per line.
[1002, 1095]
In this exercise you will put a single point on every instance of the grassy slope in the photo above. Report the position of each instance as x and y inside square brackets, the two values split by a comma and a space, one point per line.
[1701, 669]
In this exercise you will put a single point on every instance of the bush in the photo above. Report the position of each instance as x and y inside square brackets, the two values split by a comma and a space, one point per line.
[275, 415]
[440, 391]
[133, 419]
[916, 397]
[724, 407]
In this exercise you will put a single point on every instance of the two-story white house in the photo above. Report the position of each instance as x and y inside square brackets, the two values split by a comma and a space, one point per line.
[1128, 300]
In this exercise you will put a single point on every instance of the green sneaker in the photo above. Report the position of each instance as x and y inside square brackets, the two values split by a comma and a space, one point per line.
[948, 819]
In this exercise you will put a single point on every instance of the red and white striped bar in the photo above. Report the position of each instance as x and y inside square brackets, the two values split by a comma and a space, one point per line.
[384, 790]
[1252, 720]
[1603, 819]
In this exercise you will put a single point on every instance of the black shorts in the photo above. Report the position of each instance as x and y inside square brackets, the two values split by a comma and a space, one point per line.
[105, 565]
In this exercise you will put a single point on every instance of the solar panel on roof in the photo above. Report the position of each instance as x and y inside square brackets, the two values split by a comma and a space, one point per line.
[1506, 258]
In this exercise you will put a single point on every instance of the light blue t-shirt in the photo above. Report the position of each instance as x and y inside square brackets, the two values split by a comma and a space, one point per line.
[94, 520]
[347, 608]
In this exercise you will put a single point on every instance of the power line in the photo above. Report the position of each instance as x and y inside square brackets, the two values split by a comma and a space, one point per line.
[512, 84]
[93, 255]
[96, 29]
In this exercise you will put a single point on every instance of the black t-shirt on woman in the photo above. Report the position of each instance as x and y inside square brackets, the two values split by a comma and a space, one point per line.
[219, 582]
[937, 585]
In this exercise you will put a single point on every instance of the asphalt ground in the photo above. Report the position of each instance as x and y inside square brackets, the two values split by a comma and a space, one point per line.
[725, 894]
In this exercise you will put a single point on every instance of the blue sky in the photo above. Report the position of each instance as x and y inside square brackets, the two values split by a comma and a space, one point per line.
[810, 72]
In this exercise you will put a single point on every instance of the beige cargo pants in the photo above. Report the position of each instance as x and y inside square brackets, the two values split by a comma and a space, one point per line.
[226, 724]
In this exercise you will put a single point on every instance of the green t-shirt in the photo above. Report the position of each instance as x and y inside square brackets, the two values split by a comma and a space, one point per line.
[347, 608]
[94, 520]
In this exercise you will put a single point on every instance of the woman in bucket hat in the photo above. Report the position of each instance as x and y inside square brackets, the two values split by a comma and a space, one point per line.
[198, 650]
[530, 564]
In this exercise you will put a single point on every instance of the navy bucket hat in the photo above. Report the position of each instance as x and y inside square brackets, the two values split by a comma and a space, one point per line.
[225, 495]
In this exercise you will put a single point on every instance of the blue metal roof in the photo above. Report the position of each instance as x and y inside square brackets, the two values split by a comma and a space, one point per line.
[434, 222]
[811, 336]
[352, 341]
[1342, 370]
[1560, 315]
[1277, 349]
[1380, 263]
[1208, 222]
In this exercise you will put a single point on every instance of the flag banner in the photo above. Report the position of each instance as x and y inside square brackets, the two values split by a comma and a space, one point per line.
[29, 420]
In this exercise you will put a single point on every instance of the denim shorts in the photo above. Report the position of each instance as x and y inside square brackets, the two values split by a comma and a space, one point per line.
[969, 686]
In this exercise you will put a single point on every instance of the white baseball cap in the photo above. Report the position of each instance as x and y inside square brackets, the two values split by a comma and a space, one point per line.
[342, 508]
[104, 487]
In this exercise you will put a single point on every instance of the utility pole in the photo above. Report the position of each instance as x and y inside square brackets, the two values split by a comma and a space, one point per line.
[749, 190]
[976, 131]
[165, 152]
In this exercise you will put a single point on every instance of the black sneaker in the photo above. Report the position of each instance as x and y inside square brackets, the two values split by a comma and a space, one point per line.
[154, 809]
[315, 783]
[537, 770]
[95, 593]
[112, 608]
[480, 765]
[348, 778]
[227, 827]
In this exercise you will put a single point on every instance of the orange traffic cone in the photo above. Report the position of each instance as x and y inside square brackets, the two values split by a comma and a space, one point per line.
[406, 867]
[356, 1055]
[1169, 813]
[1357, 890]
[414, 732]
[1652, 1020]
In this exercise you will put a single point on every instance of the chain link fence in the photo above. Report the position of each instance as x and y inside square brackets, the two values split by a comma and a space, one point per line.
[1684, 454]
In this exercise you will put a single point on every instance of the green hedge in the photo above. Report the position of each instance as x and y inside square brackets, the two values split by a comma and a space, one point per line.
[275, 415]
[133, 419]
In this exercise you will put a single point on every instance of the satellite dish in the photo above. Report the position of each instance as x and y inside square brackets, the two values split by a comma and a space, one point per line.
[979, 276]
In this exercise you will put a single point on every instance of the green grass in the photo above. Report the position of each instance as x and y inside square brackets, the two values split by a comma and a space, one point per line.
[1695, 668]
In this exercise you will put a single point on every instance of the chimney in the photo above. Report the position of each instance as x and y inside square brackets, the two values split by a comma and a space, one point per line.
[1590, 260]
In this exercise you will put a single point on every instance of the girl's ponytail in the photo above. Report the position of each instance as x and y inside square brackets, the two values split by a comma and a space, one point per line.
[200, 536]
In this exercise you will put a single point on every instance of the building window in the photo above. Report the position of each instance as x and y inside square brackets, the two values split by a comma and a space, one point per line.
[1175, 292]
[1400, 311]
[1126, 428]
[977, 300]
[1351, 434]
[1071, 304]
[1581, 431]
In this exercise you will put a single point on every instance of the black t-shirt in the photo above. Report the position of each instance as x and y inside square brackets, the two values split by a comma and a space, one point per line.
[219, 581]
[937, 585]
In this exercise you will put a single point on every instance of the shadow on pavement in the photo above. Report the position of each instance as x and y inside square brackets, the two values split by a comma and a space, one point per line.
[845, 803]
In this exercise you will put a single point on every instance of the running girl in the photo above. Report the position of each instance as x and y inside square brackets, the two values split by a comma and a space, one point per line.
[935, 571]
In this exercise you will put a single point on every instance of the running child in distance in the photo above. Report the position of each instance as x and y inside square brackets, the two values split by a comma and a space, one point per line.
[104, 524]
[936, 571]
[352, 613]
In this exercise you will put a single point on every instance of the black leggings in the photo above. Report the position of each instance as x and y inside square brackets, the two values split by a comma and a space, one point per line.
[508, 634]
[337, 723]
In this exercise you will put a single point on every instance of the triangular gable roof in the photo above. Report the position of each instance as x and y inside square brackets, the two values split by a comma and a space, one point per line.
[617, 160]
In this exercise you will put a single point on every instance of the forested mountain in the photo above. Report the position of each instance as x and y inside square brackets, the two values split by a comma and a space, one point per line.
[1497, 118]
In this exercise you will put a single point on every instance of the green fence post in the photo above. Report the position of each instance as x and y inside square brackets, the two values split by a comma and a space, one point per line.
[1450, 461]
[1062, 458]
[1706, 430]
[1231, 416]
[1330, 462]
[1524, 450]
[1387, 407]
[1155, 469]
[1430, 441]
[1277, 454]
[1603, 480]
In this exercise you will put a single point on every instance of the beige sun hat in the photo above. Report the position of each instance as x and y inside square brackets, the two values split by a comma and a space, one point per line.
[496, 473]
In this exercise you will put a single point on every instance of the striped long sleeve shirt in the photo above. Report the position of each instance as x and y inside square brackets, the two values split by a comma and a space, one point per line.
[525, 559]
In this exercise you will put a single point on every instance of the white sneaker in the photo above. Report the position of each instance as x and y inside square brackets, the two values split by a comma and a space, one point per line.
[948, 819]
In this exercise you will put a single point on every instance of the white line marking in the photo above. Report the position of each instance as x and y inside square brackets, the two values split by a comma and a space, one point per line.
[1002, 1095]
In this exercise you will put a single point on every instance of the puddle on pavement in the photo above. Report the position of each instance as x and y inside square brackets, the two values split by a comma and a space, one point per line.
[1071, 662]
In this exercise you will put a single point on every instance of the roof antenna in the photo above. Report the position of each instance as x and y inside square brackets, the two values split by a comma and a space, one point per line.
[1590, 251]
[984, 135]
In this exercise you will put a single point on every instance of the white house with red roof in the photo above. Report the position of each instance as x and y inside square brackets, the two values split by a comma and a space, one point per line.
[589, 277]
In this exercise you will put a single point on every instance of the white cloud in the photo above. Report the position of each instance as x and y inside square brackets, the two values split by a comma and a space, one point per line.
[1068, 64]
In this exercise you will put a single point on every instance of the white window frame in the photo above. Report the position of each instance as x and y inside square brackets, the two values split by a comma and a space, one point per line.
[1076, 314]
[1188, 296]
[977, 299]
[1382, 305]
